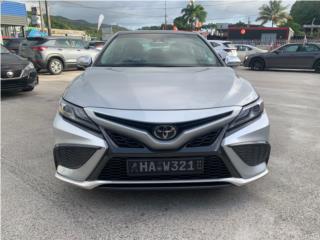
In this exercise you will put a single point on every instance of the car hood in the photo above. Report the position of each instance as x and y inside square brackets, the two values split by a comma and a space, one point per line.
[10, 59]
[148, 88]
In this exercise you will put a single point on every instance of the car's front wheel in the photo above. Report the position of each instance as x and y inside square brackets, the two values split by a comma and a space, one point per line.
[55, 66]
[317, 66]
[257, 65]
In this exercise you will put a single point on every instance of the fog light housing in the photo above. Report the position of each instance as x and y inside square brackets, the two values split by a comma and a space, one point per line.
[253, 154]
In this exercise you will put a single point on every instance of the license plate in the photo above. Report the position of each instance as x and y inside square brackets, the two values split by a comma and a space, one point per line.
[151, 167]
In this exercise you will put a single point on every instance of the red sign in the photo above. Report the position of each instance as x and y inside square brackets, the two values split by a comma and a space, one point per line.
[242, 31]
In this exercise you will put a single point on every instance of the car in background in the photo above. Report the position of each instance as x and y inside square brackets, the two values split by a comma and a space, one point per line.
[96, 45]
[244, 50]
[12, 44]
[55, 53]
[224, 48]
[289, 56]
[17, 73]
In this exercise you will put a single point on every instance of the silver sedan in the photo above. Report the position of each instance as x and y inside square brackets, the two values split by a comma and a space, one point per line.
[160, 110]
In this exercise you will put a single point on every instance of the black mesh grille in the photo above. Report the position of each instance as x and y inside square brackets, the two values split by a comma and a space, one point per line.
[205, 140]
[124, 141]
[16, 73]
[253, 154]
[116, 169]
[127, 142]
[72, 156]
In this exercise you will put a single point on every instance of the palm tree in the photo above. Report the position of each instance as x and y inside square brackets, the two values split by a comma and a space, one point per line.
[274, 12]
[193, 13]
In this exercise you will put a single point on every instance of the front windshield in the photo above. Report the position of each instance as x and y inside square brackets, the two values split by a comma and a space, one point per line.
[4, 50]
[157, 50]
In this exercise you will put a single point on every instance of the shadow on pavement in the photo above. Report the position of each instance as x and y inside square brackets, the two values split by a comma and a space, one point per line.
[149, 200]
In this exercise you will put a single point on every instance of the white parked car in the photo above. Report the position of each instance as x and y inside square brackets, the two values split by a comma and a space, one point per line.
[246, 50]
[224, 48]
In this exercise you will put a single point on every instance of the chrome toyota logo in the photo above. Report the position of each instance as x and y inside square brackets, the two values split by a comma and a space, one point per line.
[165, 132]
[9, 74]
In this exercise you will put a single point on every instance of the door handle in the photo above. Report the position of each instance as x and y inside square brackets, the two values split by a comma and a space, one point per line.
[79, 50]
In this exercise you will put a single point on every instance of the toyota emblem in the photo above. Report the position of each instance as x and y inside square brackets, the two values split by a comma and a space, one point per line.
[165, 132]
[9, 74]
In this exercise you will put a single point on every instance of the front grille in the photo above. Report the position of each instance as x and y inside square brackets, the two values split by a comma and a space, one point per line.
[116, 170]
[253, 154]
[149, 127]
[128, 142]
[205, 140]
[16, 73]
[124, 141]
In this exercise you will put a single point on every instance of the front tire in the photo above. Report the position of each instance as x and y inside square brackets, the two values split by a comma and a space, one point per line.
[55, 66]
[257, 65]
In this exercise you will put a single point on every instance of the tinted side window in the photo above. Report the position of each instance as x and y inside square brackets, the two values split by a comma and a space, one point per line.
[242, 48]
[50, 43]
[62, 43]
[290, 48]
[309, 48]
[75, 43]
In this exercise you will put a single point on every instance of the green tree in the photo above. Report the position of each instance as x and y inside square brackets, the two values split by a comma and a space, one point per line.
[296, 27]
[209, 26]
[180, 23]
[303, 12]
[240, 24]
[274, 12]
[192, 13]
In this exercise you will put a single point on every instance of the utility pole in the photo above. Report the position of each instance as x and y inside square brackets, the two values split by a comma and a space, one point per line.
[41, 16]
[165, 14]
[48, 18]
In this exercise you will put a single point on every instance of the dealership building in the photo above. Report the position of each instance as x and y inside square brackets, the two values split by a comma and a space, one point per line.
[13, 19]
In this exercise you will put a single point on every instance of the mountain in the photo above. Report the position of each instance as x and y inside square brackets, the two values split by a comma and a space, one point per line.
[90, 28]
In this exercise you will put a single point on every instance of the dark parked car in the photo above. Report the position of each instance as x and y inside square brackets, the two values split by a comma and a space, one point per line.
[292, 56]
[17, 74]
[55, 54]
[12, 44]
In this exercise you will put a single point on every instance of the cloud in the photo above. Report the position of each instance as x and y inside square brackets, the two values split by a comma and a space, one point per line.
[134, 14]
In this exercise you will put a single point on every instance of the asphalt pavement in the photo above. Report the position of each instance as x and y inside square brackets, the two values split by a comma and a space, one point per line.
[285, 204]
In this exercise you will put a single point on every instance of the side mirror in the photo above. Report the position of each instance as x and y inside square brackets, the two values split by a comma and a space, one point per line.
[232, 61]
[277, 51]
[84, 62]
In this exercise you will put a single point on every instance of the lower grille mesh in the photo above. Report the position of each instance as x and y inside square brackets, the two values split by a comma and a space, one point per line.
[253, 154]
[116, 169]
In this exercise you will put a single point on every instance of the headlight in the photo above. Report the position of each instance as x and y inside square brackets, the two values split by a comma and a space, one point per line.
[246, 57]
[27, 69]
[76, 114]
[248, 113]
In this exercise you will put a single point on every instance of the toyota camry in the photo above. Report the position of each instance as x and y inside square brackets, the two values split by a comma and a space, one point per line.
[160, 109]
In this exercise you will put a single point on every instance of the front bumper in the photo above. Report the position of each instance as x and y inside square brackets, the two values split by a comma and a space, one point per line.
[19, 84]
[87, 175]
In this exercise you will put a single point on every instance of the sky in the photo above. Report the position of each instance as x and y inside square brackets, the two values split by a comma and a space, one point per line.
[134, 14]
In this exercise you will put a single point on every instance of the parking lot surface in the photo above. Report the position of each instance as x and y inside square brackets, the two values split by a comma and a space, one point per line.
[282, 205]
